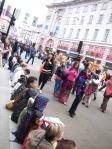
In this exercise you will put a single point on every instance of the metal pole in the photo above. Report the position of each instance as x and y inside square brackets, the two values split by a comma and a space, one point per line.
[1, 7]
[10, 23]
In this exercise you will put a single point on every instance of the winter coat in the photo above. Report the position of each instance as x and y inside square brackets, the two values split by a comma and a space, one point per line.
[36, 140]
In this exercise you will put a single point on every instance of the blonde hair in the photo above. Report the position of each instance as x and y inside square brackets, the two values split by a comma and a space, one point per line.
[54, 131]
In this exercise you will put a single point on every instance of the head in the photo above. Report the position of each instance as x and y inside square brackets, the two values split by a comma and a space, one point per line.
[32, 82]
[27, 71]
[66, 144]
[50, 56]
[54, 132]
[34, 120]
[76, 65]
[98, 71]
[40, 103]
[33, 45]
[14, 60]
[33, 92]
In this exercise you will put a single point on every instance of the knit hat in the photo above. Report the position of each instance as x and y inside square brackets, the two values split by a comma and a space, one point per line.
[33, 92]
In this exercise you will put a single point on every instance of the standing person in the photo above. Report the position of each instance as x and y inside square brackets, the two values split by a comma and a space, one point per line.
[66, 144]
[40, 139]
[32, 53]
[45, 72]
[1, 50]
[80, 86]
[107, 94]
[70, 77]
[59, 74]
[27, 51]
[15, 48]
[6, 51]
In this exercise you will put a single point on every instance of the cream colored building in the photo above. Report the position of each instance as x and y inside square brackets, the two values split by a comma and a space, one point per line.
[89, 21]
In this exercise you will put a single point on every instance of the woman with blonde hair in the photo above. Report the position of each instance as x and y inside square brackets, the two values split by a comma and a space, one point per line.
[40, 139]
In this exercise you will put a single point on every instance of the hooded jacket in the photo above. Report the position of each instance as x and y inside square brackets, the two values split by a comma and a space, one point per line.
[36, 140]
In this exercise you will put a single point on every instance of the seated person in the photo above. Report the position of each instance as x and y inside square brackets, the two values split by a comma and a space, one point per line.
[38, 105]
[40, 139]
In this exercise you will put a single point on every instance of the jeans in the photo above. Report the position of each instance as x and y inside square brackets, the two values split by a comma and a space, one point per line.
[57, 85]
[31, 57]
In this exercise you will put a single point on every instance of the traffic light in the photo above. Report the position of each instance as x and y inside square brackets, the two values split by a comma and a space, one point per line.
[13, 19]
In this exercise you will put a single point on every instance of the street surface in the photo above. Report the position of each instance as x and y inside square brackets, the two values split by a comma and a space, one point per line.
[91, 129]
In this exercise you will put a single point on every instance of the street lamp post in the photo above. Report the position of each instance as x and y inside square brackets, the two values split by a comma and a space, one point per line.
[12, 21]
[1, 7]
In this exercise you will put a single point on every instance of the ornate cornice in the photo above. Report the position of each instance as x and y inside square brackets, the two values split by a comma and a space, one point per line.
[71, 3]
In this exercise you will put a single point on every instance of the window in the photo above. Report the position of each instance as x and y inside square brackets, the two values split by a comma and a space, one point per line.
[90, 19]
[95, 34]
[57, 30]
[46, 27]
[59, 19]
[78, 33]
[48, 18]
[110, 18]
[104, 6]
[64, 32]
[27, 15]
[86, 34]
[67, 20]
[70, 33]
[107, 31]
[78, 10]
[74, 21]
[100, 19]
[82, 20]
[70, 10]
[94, 7]
[85, 9]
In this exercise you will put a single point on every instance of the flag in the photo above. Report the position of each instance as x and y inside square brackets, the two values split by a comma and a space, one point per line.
[26, 18]
[34, 23]
[7, 13]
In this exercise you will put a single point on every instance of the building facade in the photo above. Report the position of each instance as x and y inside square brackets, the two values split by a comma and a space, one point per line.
[90, 21]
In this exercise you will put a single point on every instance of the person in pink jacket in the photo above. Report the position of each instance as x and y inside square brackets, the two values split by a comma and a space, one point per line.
[107, 94]
[68, 81]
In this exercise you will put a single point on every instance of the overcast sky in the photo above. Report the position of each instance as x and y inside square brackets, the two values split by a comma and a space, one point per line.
[34, 7]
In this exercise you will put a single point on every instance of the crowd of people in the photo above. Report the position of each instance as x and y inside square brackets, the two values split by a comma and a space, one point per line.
[71, 75]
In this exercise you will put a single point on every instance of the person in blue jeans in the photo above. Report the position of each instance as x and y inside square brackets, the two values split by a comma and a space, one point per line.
[32, 53]
[60, 72]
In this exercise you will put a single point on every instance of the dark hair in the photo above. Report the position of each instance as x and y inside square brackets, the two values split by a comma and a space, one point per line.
[32, 122]
[27, 71]
[66, 144]
[33, 44]
[31, 80]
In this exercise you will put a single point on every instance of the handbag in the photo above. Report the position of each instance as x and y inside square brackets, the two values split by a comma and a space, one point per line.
[10, 105]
